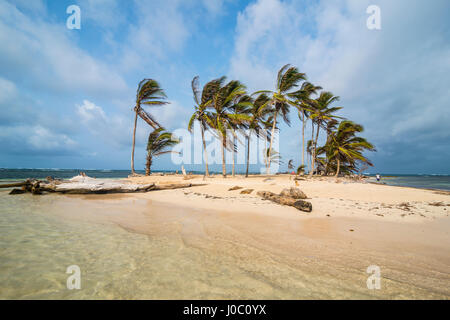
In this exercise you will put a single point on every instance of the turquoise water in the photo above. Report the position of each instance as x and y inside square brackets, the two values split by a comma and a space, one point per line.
[135, 249]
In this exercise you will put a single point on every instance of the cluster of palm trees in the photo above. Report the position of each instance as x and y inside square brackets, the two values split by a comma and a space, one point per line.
[226, 108]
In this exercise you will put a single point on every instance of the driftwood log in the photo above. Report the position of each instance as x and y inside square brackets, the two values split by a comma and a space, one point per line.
[87, 185]
[16, 184]
[286, 200]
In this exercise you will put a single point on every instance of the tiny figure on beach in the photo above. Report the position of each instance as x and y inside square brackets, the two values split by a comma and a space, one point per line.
[378, 177]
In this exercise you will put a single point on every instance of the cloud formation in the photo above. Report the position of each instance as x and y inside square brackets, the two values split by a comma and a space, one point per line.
[71, 93]
[392, 81]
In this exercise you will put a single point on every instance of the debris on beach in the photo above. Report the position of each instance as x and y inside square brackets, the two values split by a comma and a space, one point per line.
[234, 188]
[437, 204]
[83, 184]
[295, 193]
[247, 191]
[405, 206]
[17, 191]
[286, 200]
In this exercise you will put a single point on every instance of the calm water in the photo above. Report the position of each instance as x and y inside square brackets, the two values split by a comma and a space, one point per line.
[133, 249]
[125, 249]
[440, 182]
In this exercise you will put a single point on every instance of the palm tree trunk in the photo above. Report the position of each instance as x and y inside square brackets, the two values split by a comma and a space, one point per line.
[234, 156]
[312, 150]
[224, 170]
[338, 167]
[303, 139]
[204, 151]
[271, 141]
[134, 141]
[315, 145]
[148, 165]
[248, 153]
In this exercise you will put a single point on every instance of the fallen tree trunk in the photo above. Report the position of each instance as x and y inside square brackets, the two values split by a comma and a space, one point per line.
[13, 185]
[96, 188]
[109, 187]
[172, 186]
[87, 185]
[286, 201]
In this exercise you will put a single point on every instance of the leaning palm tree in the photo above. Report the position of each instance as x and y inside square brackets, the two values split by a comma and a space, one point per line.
[287, 79]
[158, 142]
[273, 156]
[150, 93]
[242, 106]
[291, 164]
[221, 119]
[259, 111]
[345, 147]
[321, 113]
[309, 149]
[302, 102]
[201, 104]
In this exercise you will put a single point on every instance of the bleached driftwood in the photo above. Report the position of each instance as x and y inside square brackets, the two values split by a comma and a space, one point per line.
[172, 186]
[98, 187]
[86, 185]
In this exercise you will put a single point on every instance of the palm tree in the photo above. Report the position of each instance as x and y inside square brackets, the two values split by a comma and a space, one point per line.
[273, 156]
[303, 99]
[345, 146]
[221, 119]
[301, 169]
[159, 141]
[242, 106]
[287, 79]
[201, 104]
[330, 129]
[320, 114]
[290, 164]
[258, 112]
[309, 149]
[150, 93]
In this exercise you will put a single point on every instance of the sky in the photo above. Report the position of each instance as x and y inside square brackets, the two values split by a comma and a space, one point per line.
[67, 95]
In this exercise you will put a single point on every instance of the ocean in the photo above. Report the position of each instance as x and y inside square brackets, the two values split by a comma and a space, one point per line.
[438, 182]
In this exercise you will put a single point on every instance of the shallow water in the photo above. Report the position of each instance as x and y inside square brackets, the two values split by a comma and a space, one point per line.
[132, 248]
[40, 236]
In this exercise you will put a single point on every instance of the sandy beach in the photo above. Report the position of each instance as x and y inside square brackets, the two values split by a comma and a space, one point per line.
[353, 225]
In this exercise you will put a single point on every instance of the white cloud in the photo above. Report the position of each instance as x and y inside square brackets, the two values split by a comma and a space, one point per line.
[7, 90]
[43, 139]
[88, 111]
[116, 128]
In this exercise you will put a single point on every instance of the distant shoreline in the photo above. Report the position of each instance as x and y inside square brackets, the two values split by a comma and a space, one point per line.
[419, 181]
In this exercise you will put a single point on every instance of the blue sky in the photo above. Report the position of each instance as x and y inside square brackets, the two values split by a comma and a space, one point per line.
[66, 96]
